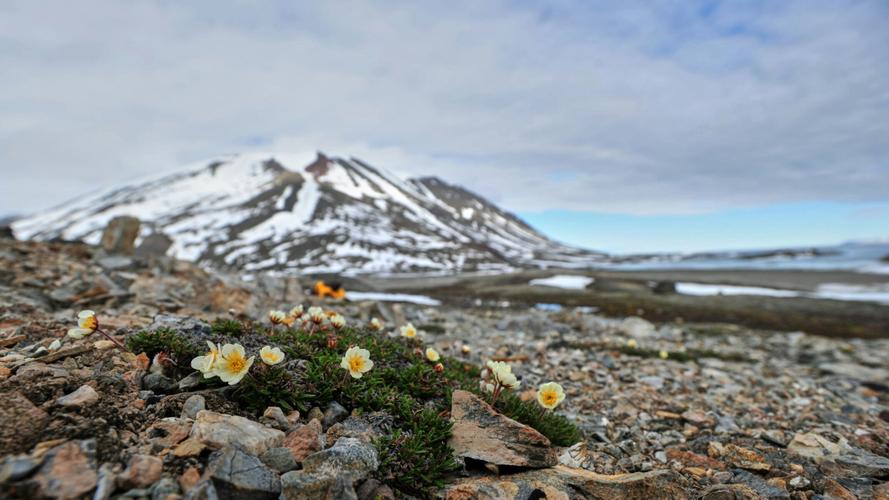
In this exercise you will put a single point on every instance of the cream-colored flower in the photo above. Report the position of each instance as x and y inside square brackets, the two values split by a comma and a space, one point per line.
[316, 315]
[205, 364]
[357, 361]
[465, 349]
[271, 355]
[87, 323]
[338, 321]
[486, 386]
[232, 363]
[296, 312]
[550, 394]
[375, 324]
[432, 355]
[408, 331]
[632, 343]
[502, 373]
[277, 317]
[664, 354]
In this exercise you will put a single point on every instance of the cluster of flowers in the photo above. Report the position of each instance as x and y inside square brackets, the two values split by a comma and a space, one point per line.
[498, 376]
[230, 362]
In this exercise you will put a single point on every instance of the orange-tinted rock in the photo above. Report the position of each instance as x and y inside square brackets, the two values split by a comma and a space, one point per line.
[305, 440]
[68, 471]
[481, 433]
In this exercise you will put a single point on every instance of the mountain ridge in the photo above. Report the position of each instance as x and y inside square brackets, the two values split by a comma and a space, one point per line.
[272, 212]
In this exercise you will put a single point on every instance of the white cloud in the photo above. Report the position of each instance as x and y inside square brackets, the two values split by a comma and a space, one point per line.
[649, 107]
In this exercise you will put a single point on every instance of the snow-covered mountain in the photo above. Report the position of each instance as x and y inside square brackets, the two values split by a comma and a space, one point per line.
[273, 212]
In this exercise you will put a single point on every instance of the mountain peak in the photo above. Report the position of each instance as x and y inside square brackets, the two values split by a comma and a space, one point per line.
[289, 214]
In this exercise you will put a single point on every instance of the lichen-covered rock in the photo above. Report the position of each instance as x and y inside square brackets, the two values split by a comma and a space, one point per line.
[347, 455]
[481, 433]
[238, 475]
[367, 427]
[569, 484]
[218, 430]
[331, 473]
[300, 485]
[279, 459]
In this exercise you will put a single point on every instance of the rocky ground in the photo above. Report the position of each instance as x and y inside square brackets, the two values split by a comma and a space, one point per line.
[669, 410]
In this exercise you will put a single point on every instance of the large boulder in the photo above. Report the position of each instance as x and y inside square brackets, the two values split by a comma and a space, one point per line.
[120, 234]
[218, 430]
[570, 484]
[481, 433]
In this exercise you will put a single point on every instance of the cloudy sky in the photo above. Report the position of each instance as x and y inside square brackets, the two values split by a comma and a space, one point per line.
[618, 125]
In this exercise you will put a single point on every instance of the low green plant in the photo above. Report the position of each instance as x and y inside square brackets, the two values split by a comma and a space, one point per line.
[418, 455]
[164, 340]
[558, 429]
[415, 457]
[228, 327]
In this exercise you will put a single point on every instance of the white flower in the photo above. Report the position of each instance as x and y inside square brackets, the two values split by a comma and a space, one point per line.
[486, 386]
[375, 324]
[357, 361]
[632, 343]
[205, 364]
[408, 331]
[432, 354]
[87, 323]
[316, 315]
[271, 355]
[549, 395]
[296, 312]
[502, 374]
[338, 321]
[232, 364]
[277, 317]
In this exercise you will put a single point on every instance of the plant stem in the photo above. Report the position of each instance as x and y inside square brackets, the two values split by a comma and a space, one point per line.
[109, 337]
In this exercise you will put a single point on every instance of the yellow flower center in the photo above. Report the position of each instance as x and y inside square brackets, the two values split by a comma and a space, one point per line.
[236, 363]
[550, 397]
[271, 357]
[91, 323]
[356, 363]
